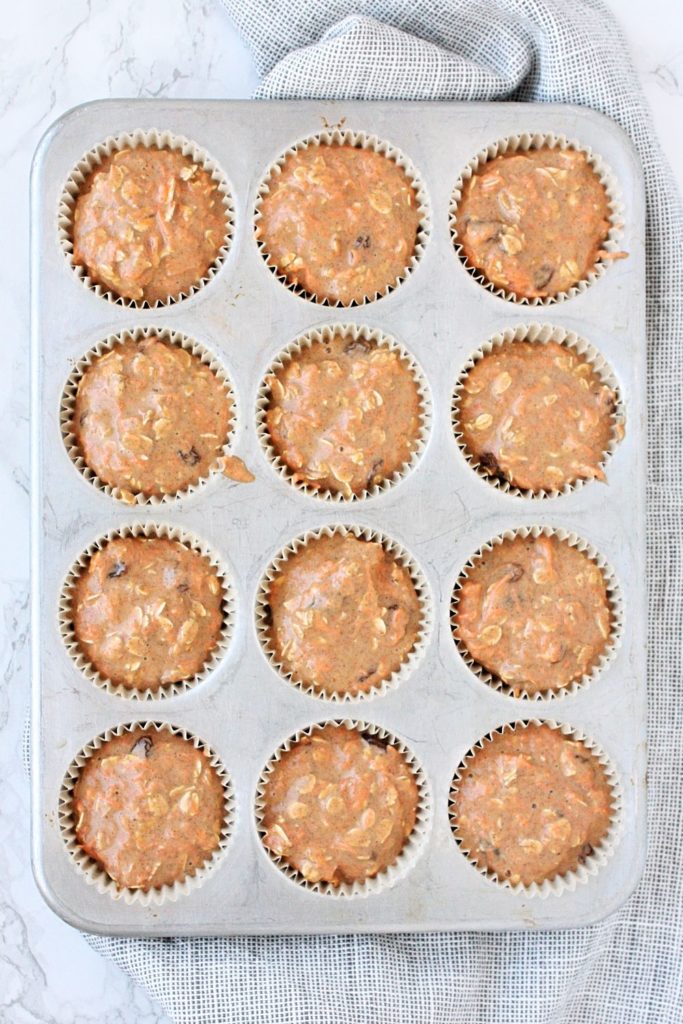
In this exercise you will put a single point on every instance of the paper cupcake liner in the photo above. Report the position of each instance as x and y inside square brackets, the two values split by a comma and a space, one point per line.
[68, 403]
[413, 845]
[392, 548]
[68, 634]
[152, 139]
[614, 597]
[91, 871]
[299, 345]
[539, 334]
[359, 140]
[524, 142]
[600, 855]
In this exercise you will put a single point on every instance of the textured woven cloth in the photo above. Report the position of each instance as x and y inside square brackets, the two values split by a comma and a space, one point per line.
[628, 968]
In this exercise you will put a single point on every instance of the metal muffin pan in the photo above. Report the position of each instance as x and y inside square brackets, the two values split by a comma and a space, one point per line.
[441, 513]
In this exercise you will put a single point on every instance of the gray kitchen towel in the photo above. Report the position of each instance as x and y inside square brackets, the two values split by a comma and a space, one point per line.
[627, 969]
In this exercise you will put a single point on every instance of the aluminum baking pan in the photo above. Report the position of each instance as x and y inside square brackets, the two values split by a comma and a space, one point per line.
[440, 513]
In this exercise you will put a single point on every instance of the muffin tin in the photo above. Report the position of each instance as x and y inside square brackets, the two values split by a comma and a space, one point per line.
[441, 512]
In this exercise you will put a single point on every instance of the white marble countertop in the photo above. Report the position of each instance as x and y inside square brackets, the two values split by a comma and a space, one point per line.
[55, 54]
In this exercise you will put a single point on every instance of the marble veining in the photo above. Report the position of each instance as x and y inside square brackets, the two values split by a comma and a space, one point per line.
[54, 55]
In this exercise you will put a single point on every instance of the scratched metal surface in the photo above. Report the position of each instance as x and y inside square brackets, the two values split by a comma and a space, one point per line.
[441, 513]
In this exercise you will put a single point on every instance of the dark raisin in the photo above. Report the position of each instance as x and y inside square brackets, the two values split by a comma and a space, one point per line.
[366, 675]
[376, 741]
[362, 242]
[489, 463]
[118, 570]
[542, 275]
[142, 747]
[190, 458]
[183, 587]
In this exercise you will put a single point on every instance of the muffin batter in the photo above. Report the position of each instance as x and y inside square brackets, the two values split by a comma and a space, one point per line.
[148, 808]
[531, 804]
[536, 222]
[534, 612]
[344, 614]
[339, 806]
[344, 414]
[537, 415]
[339, 222]
[150, 418]
[148, 224]
[147, 612]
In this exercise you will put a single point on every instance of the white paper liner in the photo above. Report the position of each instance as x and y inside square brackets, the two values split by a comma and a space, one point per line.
[299, 345]
[67, 407]
[600, 855]
[92, 872]
[536, 140]
[359, 140]
[152, 139]
[66, 627]
[614, 597]
[539, 334]
[413, 845]
[402, 557]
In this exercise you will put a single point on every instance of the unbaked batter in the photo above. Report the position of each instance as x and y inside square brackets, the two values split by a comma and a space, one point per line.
[147, 611]
[534, 222]
[148, 224]
[339, 806]
[344, 414]
[531, 804]
[534, 611]
[344, 614]
[340, 222]
[148, 807]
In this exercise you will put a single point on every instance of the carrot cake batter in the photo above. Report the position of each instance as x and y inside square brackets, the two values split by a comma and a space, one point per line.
[148, 224]
[344, 614]
[147, 612]
[534, 612]
[339, 806]
[531, 804]
[344, 414]
[537, 415]
[535, 222]
[340, 222]
[150, 418]
[149, 808]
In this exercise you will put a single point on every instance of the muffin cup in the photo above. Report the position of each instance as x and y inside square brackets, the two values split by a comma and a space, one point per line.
[298, 346]
[359, 140]
[614, 598]
[263, 617]
[66, 627]
[413, 844]
[522, 143]
[152, 139]
[91, 870]
[590, 867]
[68, 403]
[539, 334]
